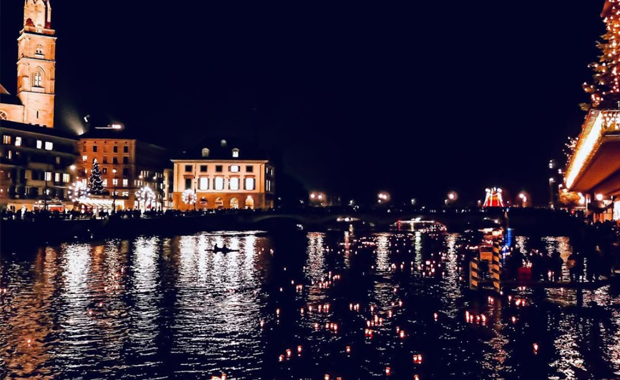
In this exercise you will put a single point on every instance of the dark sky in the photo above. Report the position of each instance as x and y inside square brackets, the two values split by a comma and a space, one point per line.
[416, 98]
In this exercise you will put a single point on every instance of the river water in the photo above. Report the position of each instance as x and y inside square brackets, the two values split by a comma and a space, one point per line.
[291, 306]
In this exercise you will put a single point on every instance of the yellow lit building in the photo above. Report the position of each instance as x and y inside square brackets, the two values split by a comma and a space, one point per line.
[223, 176]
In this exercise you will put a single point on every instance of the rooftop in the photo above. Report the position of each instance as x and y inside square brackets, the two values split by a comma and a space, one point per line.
[224, 149]
[29, 128]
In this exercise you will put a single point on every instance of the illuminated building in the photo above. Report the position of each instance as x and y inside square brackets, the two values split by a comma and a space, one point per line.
[127, 166]
[220, 175]
[35, 165]
[35, 162]
[493, 198]
[36, 69]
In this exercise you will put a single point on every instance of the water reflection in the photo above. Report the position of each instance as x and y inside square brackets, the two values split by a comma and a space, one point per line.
[254, 306]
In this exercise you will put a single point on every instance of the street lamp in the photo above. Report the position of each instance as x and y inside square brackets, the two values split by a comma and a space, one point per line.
[114, 191]
[523, 198]
[384, 197]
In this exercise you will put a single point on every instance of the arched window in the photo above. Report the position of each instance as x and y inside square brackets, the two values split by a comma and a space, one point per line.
[205, 152]
[234, 203]
[39, 50]
[223, 143]
[3, 115]
[235, 153]
[38, 79]
[219, 203]
[249, 203]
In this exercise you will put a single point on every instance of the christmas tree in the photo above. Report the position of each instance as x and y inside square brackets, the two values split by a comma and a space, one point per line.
[605, 89]
[95, 183]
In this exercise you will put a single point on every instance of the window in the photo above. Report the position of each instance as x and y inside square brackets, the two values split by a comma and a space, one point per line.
[104, 171]
[38, 79]
[234, 169]
[250, 183]
[114, 160]
[223, 143]
[219, 168]
[84, 158]
[235, 153]
[125, 182]
[49, 145]
[115, 149]
[125, 149]
[6, 140]
[48, 176]
[39, 49]
[18, 141]
[9, 155]
[204, 183]
[58, 160]
[205, 152]
[40, 145]
[3, 115]
[115, 181]
[203, 168]
[189, 168]
[219, 183]
[105, 183]
[105, 160]
[125, 171]
[125, 194]
[233, 183]
[56, 177]
[268, 185]
[66, 178]
[249, 169]
[188, 183]
[95, 148]
[125, 160]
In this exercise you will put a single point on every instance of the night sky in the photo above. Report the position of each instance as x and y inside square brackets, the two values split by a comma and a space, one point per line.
[416, 99]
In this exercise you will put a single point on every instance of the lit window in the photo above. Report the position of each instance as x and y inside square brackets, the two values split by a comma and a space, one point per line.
[115, 181]
[49, 145]
[235, 169]
[84, 158]
[125, 182]
[38, 79]
[235, 153]
[125, 194]
[9, 155]
[56, 177]
[219, 183]
[234, 183]
[105, 183]
[6, 140]
[66, 178]
[250, 183]
[48, 176]
[205, 152]
[18, 141]
[204, 183]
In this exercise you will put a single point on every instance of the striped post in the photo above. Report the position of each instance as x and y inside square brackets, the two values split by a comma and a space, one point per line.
[474, 274]
[496, 266]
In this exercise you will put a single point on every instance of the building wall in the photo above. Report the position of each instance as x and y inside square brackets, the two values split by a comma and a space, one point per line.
[137, 165]
[30, 164]
[205, 183]
[13, 112]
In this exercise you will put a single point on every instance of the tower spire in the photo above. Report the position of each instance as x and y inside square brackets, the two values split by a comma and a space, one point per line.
[38, 16]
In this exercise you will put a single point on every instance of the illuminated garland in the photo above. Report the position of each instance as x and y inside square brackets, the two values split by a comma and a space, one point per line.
[79, 192]
[189, 197]
[145, 196]
[605, 90]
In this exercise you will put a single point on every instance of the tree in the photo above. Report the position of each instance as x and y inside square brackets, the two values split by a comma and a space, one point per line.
[604, 90]
[95, 183]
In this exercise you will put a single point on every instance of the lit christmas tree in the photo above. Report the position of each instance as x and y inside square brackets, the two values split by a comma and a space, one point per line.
[605, 89]
[95, 183]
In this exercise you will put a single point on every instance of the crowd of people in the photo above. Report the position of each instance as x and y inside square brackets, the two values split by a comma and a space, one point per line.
[594, 255]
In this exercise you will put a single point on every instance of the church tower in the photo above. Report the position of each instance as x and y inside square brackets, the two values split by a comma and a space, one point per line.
[36, 65]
